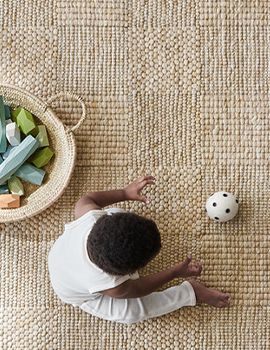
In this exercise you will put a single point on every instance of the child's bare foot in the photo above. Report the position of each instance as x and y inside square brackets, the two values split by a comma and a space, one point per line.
[209, 296]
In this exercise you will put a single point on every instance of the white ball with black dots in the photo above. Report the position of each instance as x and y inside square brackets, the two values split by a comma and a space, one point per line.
[222, 206]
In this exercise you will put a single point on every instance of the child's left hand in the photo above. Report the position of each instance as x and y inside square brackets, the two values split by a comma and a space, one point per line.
[133, 190]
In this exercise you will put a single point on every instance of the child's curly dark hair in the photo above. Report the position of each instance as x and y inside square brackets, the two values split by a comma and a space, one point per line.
[121, 243]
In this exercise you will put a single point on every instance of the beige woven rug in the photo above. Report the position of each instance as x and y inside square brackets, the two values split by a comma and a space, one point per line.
[176, 89]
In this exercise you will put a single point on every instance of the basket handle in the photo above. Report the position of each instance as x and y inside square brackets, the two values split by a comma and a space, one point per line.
[75, 97]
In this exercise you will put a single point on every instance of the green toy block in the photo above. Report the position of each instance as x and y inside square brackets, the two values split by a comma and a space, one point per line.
[14, 113]
[34, 132]
[20, 154]
[3, 140]
[42, 157]
[7, 112]
[42, 136]
[30, 173]
[15, 186]
[4, 189]
[26, 123]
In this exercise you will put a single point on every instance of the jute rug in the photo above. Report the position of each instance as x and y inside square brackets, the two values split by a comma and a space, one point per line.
[176, 89]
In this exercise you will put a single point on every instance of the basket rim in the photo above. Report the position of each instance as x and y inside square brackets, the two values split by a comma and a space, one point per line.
[24, 92]
[22, 213]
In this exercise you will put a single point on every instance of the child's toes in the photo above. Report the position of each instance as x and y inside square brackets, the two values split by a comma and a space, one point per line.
[225, 301]
[224, 296]
[222, 303]
[198, 270]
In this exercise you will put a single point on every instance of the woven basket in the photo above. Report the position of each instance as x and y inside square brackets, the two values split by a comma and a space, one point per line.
[62, 141]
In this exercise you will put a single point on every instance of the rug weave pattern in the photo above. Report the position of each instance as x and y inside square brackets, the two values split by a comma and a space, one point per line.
[176, 89]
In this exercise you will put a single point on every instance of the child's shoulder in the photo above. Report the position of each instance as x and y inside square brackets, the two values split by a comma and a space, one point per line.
[93, 215]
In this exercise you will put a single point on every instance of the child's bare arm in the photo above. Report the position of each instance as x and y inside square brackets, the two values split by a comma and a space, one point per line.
[148, 284]
[98, 200]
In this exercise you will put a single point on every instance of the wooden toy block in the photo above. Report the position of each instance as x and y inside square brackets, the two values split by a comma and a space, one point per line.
[26, 123]
[42, 157]
[9, 150]
[7, 112]
[15, 186]
[4, 189]
[13, 134]
[9, 201]
[21, 153]
[3, 140]
[30, 173]
[14, 113]
[42, 136]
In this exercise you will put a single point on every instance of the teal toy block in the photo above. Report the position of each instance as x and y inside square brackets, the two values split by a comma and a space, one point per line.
[30, 173]
[42, 157]
[4, 189]
[26, 123]
[8, 152]
[7, 112]
[3, 140]
[1, 159]
[42, 136]
[21, 153]
[15, 186]
[15, 113]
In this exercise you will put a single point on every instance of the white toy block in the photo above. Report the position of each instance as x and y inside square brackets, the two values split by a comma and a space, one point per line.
[8, 121]
[13, 134]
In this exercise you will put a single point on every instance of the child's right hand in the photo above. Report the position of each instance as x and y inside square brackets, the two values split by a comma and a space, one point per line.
[188, 268]
[133, 190]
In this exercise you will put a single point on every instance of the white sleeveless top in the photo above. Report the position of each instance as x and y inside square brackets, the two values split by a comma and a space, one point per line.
[74, 277]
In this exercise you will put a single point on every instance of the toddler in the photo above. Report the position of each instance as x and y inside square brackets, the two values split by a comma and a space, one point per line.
[93, 264]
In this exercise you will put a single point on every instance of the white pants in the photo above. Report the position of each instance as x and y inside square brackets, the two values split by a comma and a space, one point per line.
[139, 309]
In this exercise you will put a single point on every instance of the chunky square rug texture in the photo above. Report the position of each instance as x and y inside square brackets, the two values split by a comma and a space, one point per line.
[175, 89]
